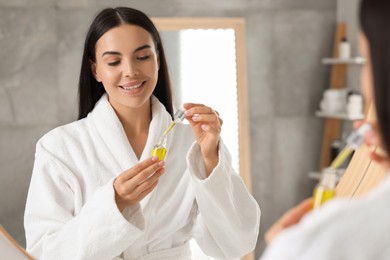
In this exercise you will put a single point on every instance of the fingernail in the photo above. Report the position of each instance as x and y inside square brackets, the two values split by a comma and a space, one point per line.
[161, 163]
[187, 112]
[205, 127]
[195, 117]
[154, 158]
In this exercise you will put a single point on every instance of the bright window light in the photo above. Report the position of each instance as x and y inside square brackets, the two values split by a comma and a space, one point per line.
[208, 76]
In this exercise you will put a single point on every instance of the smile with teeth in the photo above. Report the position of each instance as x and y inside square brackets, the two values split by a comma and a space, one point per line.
[132, 87]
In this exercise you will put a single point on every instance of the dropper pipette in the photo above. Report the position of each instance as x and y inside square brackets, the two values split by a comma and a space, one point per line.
[178, 117]
[325, 188]
[354, 140]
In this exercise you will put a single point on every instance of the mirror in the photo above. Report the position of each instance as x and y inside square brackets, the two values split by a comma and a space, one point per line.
[206, 58]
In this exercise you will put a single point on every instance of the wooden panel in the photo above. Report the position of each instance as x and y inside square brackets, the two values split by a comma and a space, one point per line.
[374, 176]
[362, 174]
[354, 173]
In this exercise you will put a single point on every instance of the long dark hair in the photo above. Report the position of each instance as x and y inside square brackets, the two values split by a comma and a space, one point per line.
[91, 90]
[375, 24]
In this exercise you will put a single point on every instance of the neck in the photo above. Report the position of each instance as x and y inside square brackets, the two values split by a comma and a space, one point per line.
[136, 122]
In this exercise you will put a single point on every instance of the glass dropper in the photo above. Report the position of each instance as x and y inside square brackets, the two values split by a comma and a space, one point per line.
[178, 117]
[354, 140]
[160, 149]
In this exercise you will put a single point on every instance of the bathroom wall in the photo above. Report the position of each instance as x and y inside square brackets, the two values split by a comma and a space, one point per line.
[41, 43]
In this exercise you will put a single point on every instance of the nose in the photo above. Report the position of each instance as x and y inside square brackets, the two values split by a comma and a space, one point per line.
[130, 69]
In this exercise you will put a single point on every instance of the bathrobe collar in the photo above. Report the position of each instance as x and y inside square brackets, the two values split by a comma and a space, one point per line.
[111, 131]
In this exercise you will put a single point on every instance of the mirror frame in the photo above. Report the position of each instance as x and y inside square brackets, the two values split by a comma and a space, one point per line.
[238, 25]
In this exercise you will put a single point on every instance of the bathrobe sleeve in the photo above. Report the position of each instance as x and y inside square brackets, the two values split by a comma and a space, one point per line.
[343, 228]
[59, 225]
[228, 222]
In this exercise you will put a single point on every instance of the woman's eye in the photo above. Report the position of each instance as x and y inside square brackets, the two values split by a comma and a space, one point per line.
[114, 63]
[143, 57]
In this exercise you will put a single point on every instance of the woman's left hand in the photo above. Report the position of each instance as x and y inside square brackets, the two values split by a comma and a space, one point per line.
[206, 126]
[289, 219]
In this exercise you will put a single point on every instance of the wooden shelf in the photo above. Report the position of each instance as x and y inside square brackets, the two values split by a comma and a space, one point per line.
[342, 116]
[353, 60]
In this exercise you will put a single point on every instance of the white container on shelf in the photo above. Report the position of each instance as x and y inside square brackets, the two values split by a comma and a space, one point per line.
[333, 101]
[355, 105]
[344, 49]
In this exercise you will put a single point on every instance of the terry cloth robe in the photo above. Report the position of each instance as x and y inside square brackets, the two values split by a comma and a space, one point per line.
[342, 229]
[71, 211]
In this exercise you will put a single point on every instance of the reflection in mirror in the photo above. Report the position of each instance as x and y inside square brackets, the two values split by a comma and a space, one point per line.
[207, 65]
[203, 69]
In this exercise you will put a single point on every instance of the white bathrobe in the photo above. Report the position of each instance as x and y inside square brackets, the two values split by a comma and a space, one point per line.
[357, 229]
[71, 211]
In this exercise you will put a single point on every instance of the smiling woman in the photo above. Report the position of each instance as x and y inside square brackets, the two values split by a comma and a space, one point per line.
[97, 193]
[126, 56]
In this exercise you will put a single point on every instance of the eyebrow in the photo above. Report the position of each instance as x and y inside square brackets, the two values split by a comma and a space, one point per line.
[146, 46]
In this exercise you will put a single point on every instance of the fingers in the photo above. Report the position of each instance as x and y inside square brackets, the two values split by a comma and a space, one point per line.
[142, 176]
[358, 123]
[378, 155]
[373, 139]
[209, 122]
[291, 217]
[134, 184]
[207, 117]
[295, 214]
[139, 167]
[193, 109]
[144, 193]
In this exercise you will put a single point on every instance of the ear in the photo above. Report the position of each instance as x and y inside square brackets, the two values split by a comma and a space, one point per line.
[94, 72]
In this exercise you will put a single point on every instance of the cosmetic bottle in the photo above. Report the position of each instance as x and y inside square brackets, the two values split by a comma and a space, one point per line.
[160, 149]
[344, 49]
[324, 190]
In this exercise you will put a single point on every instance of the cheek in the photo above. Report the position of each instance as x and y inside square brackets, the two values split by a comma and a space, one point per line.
[367, 84]
[151, 70]
[108, 75]
[152, 67]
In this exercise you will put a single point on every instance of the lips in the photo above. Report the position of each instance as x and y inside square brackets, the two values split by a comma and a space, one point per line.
[132, 86]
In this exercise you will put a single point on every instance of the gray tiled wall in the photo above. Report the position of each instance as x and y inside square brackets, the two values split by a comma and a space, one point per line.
[40, 53]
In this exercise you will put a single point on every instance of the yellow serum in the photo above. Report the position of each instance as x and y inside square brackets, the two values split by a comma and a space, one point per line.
[160, 152]
[321, 195]
[341, 157]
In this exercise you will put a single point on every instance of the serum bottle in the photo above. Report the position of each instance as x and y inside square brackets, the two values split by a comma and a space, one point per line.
[324, 190]
[160, 149]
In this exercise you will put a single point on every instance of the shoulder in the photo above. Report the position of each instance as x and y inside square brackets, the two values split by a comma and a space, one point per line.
[334, 231]
[64, 135]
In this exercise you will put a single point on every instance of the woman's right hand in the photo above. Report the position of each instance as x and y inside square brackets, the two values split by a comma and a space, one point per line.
[132, 185]
[373, 139]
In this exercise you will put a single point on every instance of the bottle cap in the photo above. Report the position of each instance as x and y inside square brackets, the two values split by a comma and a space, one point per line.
[179, 114]
[329, 177]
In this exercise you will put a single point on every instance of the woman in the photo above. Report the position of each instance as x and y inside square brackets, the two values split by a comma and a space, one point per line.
[358, 228]
[96, 193]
